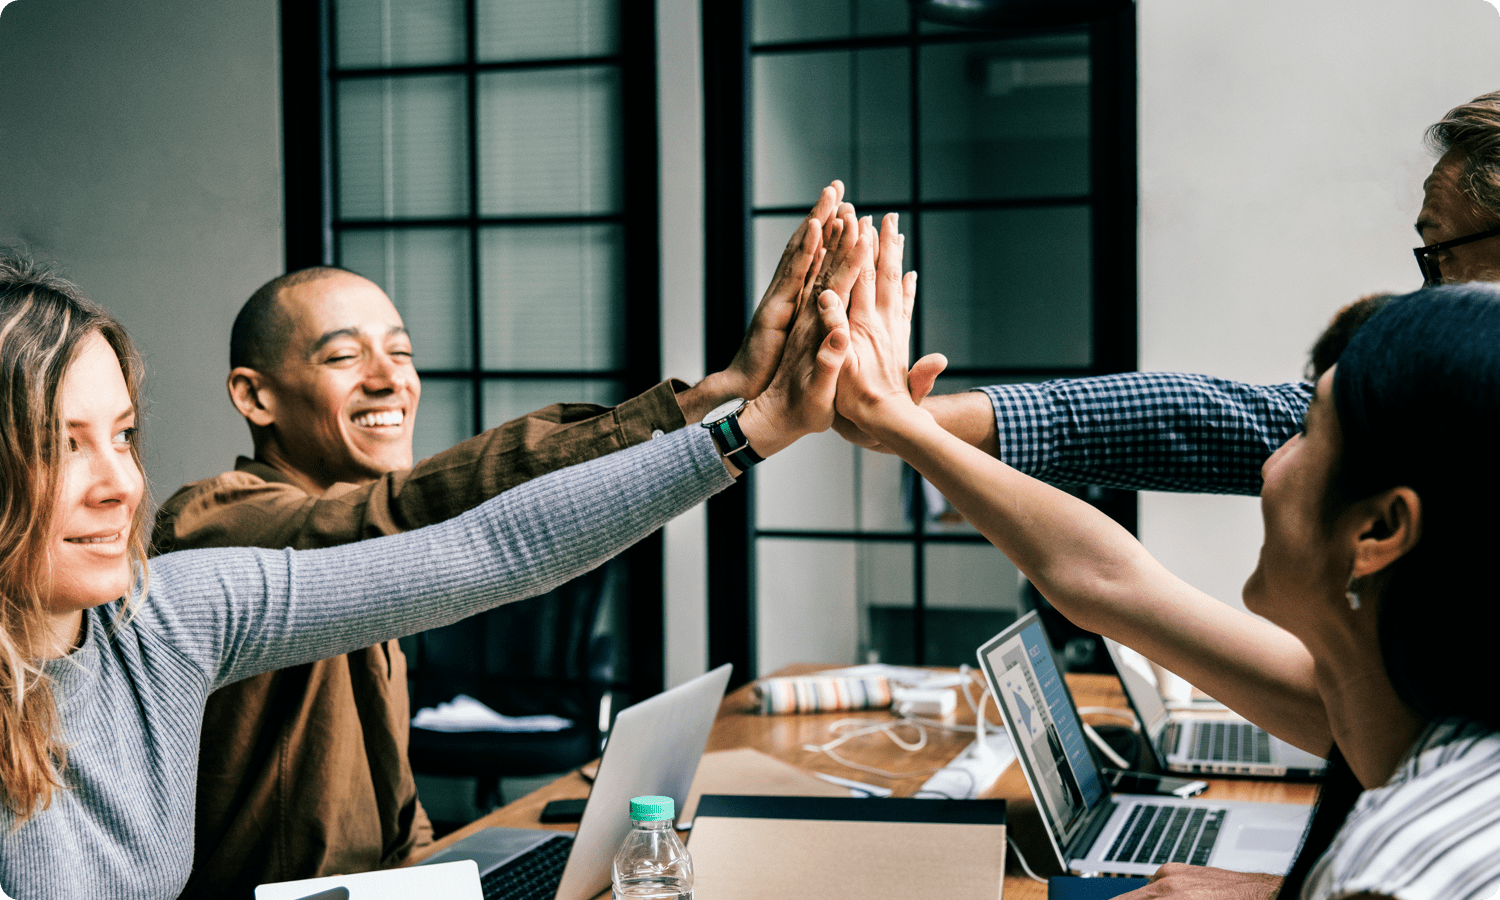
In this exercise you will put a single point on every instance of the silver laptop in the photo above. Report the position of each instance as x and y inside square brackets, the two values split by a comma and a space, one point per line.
[653, 748]
[1093, 831]
[1208, 742]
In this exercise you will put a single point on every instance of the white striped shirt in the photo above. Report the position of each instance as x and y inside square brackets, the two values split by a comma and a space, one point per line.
[1432, 831]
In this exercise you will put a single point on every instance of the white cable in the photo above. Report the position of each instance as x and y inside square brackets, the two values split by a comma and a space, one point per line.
[885, 727]
[1125, 714]
[1104, 748]
[874, 771]
[1022, 860]
[862, 727]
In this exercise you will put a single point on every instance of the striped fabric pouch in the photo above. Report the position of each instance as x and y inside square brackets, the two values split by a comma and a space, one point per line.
[811, 694]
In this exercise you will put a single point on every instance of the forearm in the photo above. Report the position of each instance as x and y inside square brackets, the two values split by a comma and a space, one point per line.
[252, 508]
[700, 399]
[1100, 577]
[1146, 430]
[969, 416]
[260, 610]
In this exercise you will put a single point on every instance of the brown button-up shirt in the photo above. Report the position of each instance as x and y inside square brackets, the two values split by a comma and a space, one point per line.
[303, 772]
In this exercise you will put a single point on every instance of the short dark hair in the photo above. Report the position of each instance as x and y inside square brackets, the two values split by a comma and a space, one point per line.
[1417, 394]
[1331, 343]
[263, 329]
[1473, 129]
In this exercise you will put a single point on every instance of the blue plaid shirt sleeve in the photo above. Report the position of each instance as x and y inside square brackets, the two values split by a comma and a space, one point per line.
[1149, 431]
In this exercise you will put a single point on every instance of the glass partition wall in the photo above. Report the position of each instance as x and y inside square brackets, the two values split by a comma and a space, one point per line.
[491, 165]
[1010, 159]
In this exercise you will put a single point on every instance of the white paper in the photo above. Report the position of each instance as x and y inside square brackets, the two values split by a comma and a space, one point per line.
[464, 713]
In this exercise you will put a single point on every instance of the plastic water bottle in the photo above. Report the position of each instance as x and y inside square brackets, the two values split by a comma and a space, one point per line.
[652, 863]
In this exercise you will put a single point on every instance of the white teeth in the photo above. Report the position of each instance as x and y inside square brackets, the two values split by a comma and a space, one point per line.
[372, 419]
[108, 539]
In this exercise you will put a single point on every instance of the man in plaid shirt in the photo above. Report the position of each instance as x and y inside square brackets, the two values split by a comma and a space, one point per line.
[1173, 432]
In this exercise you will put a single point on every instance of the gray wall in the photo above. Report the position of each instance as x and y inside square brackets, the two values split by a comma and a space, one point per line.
[1281, 171]
[140, 149]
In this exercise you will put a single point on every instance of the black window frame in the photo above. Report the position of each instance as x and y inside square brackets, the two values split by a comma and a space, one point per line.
[1112, 198]
[313, 225]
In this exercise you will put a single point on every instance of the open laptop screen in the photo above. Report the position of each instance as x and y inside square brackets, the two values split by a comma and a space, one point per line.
[1045, 727]
[1142, 694]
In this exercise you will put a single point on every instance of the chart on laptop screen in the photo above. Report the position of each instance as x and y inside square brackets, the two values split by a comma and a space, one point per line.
[1036, 698]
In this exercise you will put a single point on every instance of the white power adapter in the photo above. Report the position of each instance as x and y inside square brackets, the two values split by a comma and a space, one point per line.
[974, 770]
[934, 703]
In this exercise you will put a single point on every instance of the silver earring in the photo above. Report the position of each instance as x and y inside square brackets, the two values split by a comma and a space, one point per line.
[1351, 594]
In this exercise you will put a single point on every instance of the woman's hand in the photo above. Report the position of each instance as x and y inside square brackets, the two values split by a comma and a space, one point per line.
[876, 389]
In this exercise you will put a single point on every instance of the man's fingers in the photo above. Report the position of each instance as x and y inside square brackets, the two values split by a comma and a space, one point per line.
[841, 266]
[827, 203]
[831, 242]
[908, 293]
[831, 310]
[924, 374]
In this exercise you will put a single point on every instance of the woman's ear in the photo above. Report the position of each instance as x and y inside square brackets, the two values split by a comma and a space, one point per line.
[1387, 525]
[252, 396]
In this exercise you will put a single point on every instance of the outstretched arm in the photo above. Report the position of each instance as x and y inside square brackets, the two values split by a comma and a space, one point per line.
[1089, 567]
[1153, 431]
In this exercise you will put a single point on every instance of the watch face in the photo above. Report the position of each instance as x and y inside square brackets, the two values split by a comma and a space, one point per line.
[723, 410]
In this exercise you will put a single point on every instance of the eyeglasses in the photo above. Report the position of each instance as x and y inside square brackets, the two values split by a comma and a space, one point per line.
[1427, 256]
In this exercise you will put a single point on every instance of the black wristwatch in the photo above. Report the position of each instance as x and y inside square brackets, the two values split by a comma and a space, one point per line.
[723, 423]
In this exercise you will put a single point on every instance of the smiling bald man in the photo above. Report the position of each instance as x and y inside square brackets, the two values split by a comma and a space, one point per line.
[304, 771]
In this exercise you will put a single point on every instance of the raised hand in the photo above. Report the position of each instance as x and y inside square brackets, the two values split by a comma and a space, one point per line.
[800, 397]
[754, 364]
[876, 382]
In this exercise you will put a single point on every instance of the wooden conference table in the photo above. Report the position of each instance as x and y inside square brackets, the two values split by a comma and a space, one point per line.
[738, 725]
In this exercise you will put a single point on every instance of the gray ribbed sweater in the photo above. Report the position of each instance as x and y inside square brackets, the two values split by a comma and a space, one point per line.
[131, 697]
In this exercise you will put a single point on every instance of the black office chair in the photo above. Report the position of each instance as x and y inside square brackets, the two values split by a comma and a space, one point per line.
[536, 656]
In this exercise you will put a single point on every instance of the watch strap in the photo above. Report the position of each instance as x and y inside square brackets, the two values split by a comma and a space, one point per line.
[731, 440]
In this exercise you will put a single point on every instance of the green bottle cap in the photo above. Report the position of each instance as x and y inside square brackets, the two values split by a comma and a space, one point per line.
[651, 809]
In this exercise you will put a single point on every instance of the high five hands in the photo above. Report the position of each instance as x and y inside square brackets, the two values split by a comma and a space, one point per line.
[845, 353]
[876, 387]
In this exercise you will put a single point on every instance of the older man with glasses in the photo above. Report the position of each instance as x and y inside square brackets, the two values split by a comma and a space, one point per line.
[1192, 433]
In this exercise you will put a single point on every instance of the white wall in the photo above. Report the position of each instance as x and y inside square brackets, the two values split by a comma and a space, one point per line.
[680, 136]
[140, 148]
[1281, 168]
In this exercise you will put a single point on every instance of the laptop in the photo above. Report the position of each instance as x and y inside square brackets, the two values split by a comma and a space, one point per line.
[653, 748]
[1218, 743]
[1093, 831]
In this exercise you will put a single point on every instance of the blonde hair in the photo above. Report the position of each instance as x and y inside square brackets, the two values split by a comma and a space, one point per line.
[44, 321]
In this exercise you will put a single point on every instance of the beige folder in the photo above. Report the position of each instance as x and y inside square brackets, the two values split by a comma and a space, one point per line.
[785, 848]
[749, 771]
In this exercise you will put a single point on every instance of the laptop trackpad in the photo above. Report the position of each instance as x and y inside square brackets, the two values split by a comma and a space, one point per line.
[1268, 840]
[493, 847]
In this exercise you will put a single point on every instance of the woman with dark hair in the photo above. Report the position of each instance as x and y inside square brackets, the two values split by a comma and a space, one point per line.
[106, 659]
[1375, 553]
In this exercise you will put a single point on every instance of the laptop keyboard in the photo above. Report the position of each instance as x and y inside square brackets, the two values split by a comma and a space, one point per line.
[1162, 834]
[534, 875]
[1234, 742]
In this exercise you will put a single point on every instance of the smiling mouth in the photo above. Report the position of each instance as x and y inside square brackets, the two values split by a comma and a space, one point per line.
[377, 418]
[106, 539]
